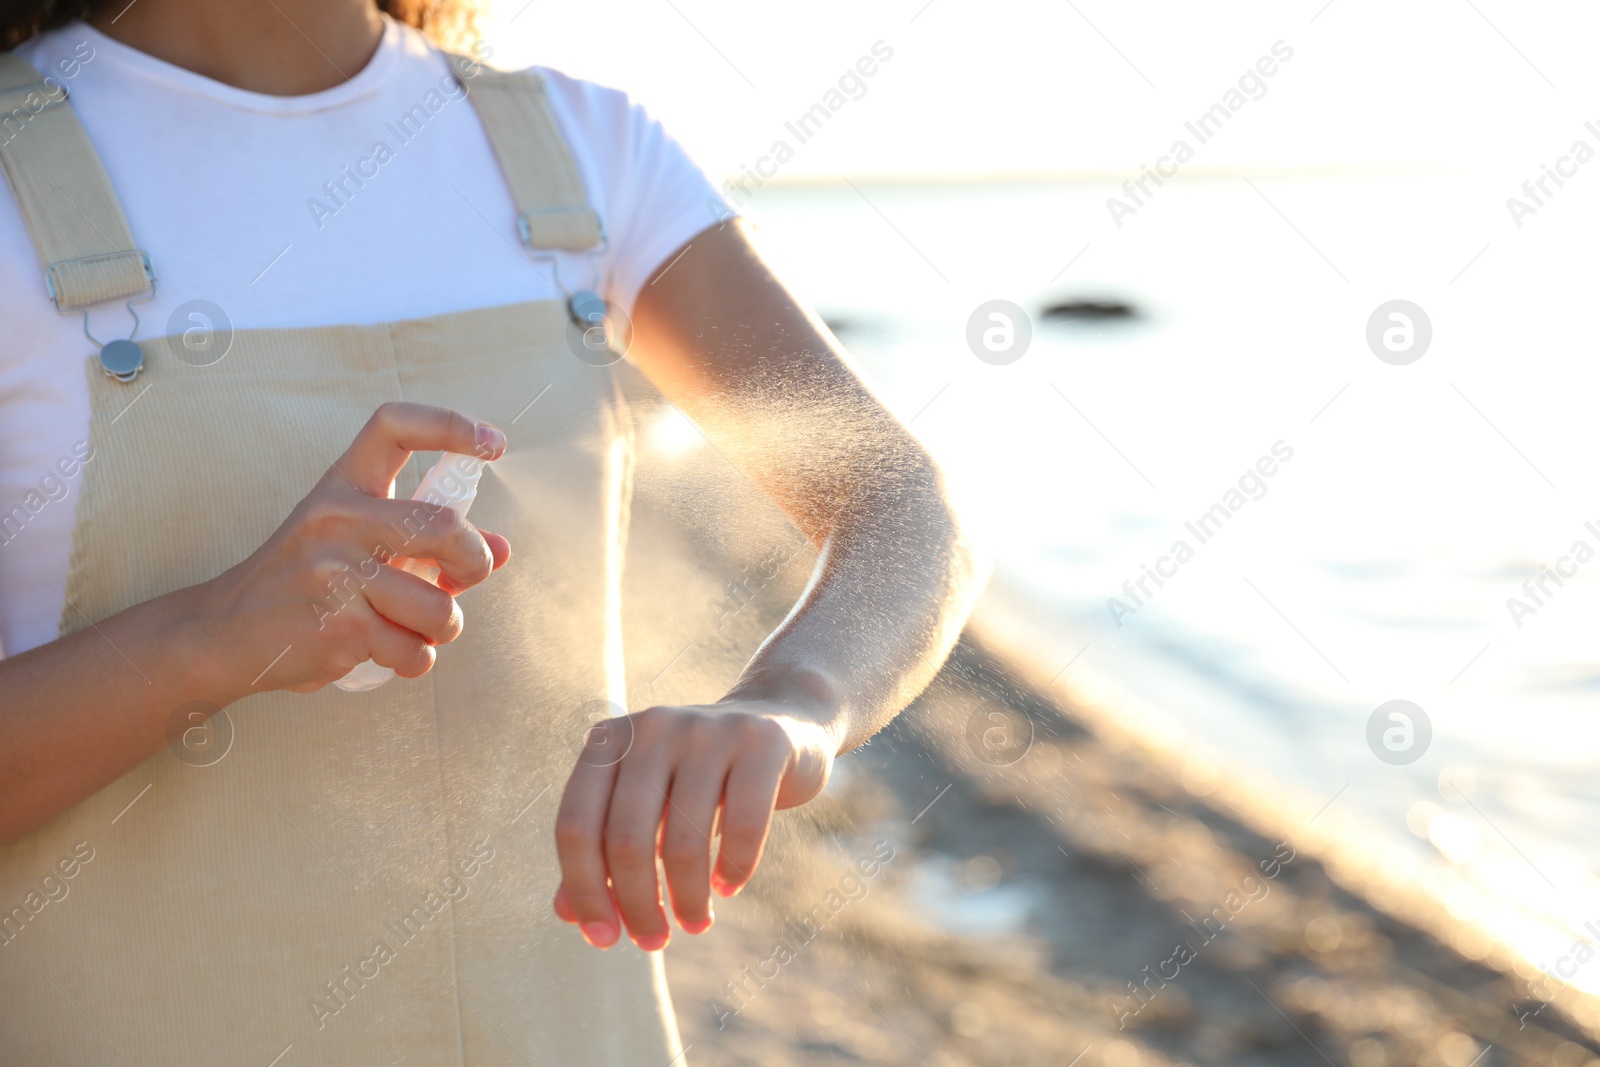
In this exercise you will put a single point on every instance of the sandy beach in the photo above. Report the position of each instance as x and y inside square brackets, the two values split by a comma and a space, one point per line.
[1044, 888]
[1120, 864]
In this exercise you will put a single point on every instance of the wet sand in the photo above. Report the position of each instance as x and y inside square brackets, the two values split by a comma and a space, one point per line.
[1055, 891]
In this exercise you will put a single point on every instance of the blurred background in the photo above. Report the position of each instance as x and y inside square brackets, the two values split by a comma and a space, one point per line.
[1110, 774]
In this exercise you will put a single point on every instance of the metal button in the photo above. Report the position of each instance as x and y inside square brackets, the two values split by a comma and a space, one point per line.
[122, 360]
[587, 308]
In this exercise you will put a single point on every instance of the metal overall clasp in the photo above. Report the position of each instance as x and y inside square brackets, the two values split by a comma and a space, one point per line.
[120, 359]
[586, 307]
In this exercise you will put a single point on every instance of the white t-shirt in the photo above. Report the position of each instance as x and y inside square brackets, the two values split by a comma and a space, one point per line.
[222, 188]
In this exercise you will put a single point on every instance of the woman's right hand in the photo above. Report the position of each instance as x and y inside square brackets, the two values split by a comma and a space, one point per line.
[319, 596]
[308, 605]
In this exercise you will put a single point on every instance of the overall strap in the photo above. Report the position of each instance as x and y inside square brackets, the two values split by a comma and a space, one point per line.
[552, 208]
[63, 193]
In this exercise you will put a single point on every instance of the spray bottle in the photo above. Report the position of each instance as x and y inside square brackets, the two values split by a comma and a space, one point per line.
[452, 482]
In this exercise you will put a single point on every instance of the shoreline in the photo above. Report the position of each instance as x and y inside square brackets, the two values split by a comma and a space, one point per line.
[1357, 865]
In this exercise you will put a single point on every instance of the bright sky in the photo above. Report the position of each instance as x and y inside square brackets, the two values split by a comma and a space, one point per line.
[1075, 86]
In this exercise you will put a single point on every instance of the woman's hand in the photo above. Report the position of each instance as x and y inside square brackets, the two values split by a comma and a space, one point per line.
[662, 782]
[308, 605]
[318, 592]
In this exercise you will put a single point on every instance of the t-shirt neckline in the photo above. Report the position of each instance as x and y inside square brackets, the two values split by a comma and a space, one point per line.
[362, 84]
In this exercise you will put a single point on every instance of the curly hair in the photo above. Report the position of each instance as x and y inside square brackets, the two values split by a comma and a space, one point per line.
[443, 20]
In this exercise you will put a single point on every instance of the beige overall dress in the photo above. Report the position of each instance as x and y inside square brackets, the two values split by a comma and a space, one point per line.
[340, 878]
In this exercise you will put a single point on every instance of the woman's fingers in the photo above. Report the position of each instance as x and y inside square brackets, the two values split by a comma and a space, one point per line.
[416, 605]
[632, 832]
[563, 906]
[687, 837]
[499, 547]
[399, 649]
[416, 530]
[398, 429]
[684, 775]
[499, 552]
[748, 799]
[580, 825]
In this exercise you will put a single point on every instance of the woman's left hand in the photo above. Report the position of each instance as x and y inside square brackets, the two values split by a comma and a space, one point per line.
[663, 782]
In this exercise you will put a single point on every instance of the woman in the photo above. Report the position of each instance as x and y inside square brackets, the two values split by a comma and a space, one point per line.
[367, 248]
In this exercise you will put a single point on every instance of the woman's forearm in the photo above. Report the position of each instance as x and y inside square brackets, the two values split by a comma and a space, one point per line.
[893, 584]
[763, 378]
[83, 710]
